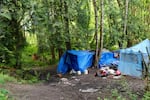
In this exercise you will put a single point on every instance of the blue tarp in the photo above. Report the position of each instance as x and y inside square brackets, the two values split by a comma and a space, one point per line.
[77, 60]
[108, 59]
[131, 64]
[131, 59]
[139, 47]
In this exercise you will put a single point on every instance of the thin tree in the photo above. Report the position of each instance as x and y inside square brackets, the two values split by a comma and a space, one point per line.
[66, 19]
[125, 19]
[120, 41]
[101, 27]
[96, 33]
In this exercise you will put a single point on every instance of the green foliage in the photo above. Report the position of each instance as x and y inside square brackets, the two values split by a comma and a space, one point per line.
[30, 79]
[12, 40]
[47, 76]
[6, 15]
[146, 96]
[25, 76]
[43, 58]
[54, 23]
[116, 95]
[3, 94]
[6, 78]
[27, 55]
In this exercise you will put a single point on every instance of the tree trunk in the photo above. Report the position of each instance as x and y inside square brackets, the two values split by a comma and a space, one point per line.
[101, 27]
[19, 41]
[96, 34]
[119, 3]
[39, 43]
[120, 41]
[129, 43]
[125, 20]
[68, 44]
[60, 52]
[53, 53]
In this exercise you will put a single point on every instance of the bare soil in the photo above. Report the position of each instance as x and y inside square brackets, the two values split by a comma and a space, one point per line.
[79, 87]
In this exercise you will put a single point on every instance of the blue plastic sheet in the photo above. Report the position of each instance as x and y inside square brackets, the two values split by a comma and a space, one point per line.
[77, 60]
[131, 64]
[131, 59]
[62, 66]
[142, 47]
[108, 59]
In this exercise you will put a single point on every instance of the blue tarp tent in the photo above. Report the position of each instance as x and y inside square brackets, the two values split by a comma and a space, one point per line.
[131, 59]
[108, 59]
[139, 47]
[77, 60]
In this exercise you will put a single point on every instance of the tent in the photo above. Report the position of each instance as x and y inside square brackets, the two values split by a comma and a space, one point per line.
[78, 60]
[139, 47]
[131, 59]
[108, 59]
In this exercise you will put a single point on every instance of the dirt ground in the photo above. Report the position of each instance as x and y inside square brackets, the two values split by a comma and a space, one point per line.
[79, 87]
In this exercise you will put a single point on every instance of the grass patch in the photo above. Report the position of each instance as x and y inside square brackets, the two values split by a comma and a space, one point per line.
[3, 94]
[146, 96]
[6, 78]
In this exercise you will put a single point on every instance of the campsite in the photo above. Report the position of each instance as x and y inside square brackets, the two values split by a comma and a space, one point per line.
[65, 83]
[74, 50]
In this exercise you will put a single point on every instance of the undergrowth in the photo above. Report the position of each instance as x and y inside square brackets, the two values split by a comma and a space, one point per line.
[6, 78]
[4, 94]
